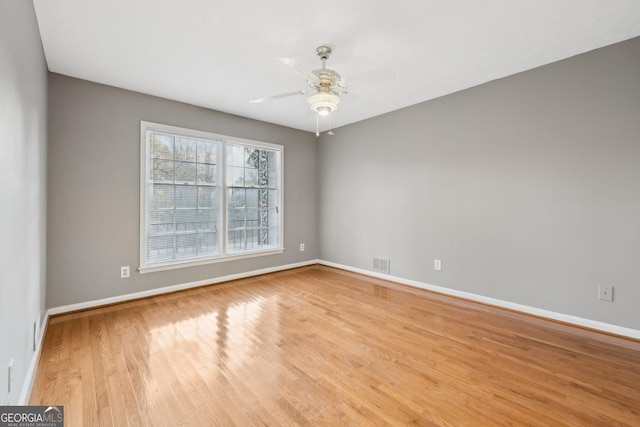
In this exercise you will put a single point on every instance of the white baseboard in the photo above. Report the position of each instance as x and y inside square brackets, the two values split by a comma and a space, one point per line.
[172, 288]
[33, 364]
[566, 318]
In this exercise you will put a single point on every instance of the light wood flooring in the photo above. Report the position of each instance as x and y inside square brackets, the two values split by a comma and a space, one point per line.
[319, 346]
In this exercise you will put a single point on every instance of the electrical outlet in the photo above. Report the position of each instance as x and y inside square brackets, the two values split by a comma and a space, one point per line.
[10, 376]
[301, 247]
[605, 293]
[124, 272]
[36, 330]
[437, 265]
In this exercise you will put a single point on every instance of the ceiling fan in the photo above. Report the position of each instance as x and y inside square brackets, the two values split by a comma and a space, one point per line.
[325, 85]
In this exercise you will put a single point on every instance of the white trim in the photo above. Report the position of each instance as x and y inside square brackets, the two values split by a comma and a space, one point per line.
[193, 263]
[143, 193]
[566, 318]
[172, 288]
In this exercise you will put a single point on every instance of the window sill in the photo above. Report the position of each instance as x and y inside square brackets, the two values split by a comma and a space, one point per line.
[185, 264]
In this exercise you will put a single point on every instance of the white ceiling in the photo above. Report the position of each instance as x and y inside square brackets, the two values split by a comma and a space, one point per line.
[220, 54]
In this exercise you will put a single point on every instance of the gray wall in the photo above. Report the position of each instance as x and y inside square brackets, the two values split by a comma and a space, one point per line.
[527, 188]
[93, 188]
[23, 128]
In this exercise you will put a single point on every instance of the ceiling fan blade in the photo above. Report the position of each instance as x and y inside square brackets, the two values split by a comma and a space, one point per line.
[299, 67]
[341, 90]
[373, 76]
[282, 95]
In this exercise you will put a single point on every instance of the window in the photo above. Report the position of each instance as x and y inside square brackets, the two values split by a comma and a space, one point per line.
[207, 197]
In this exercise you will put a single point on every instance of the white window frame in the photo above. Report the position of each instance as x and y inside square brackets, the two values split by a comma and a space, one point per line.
[223, 256]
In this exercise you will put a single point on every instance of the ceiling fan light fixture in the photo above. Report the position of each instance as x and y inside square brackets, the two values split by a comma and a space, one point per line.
[324, 103]
[324, 111]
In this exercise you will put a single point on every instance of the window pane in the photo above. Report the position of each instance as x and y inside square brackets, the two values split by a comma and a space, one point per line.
[235, 240]
[235, 155]
[186, 197]
[236, 198]
[209, 225]
[251, 177]
[206, 174]
[271, 179]
[161, 221]
[160, 196]
[161, 146]
[236, 219]
[186, 245]
[162, 170]
[252, 198]
[207, 243]
[272, 161]
[207, 152]
[252, 215]
[235, 176]
[273, 217]
[160, 247]
[274, 236]
[252, 239]
[185, 173]
[186, 220]
[208, 197]
[185, 150]
[251, 158]
[273, 198]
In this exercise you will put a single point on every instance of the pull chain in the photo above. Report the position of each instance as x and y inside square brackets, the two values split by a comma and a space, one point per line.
[330, 133]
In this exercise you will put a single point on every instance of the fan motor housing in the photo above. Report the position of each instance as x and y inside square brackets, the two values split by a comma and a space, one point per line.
[324, 52]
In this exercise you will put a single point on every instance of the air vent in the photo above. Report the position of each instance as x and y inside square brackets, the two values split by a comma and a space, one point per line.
[381, 265]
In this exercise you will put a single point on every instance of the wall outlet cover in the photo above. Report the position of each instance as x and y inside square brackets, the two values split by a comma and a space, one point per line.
[605, 293]
[10, 376]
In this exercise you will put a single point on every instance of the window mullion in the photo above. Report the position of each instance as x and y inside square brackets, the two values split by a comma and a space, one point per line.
[222, 171]
[175, 200]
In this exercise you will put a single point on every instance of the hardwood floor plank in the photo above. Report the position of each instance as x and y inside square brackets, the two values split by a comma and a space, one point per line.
[319, 346]
[87, 388]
